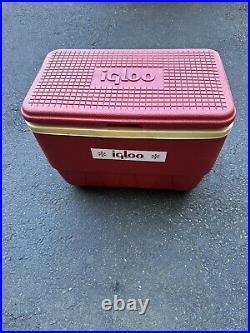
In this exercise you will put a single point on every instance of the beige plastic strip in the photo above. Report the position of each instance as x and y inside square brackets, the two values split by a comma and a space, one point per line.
[130, 132]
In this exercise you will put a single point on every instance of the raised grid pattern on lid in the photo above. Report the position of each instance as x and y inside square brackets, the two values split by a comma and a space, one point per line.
[191, 80]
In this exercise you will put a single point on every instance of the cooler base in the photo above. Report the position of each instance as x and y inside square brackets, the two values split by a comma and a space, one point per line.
[147, 181]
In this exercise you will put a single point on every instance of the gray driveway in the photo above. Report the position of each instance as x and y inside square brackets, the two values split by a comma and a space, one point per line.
[65, 249]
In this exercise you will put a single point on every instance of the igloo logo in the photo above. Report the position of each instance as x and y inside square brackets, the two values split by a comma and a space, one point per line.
[127, 77]
[128, 155]
[132, 75]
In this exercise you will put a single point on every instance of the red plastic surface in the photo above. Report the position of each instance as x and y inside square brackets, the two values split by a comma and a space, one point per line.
[182, 88]
[187, 161]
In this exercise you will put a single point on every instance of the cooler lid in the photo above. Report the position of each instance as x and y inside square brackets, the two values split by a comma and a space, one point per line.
[163, 88]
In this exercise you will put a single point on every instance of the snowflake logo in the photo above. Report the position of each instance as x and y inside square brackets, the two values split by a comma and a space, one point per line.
[102, 154]
[155, 156]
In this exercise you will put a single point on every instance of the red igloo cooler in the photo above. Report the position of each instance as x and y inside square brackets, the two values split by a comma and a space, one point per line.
[131, 118]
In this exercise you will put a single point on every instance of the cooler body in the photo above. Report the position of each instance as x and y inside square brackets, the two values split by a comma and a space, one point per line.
[177, 164]
[143, 119]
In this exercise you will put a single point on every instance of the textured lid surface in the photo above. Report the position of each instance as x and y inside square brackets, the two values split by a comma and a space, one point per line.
[171, 88]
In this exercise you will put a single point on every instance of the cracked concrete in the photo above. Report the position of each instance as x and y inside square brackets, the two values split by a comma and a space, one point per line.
[65, 249]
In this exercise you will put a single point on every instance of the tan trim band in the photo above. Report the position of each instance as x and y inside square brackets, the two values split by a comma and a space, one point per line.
[130, 132]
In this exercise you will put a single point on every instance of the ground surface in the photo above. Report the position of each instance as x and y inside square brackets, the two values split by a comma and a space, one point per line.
[65, 249]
